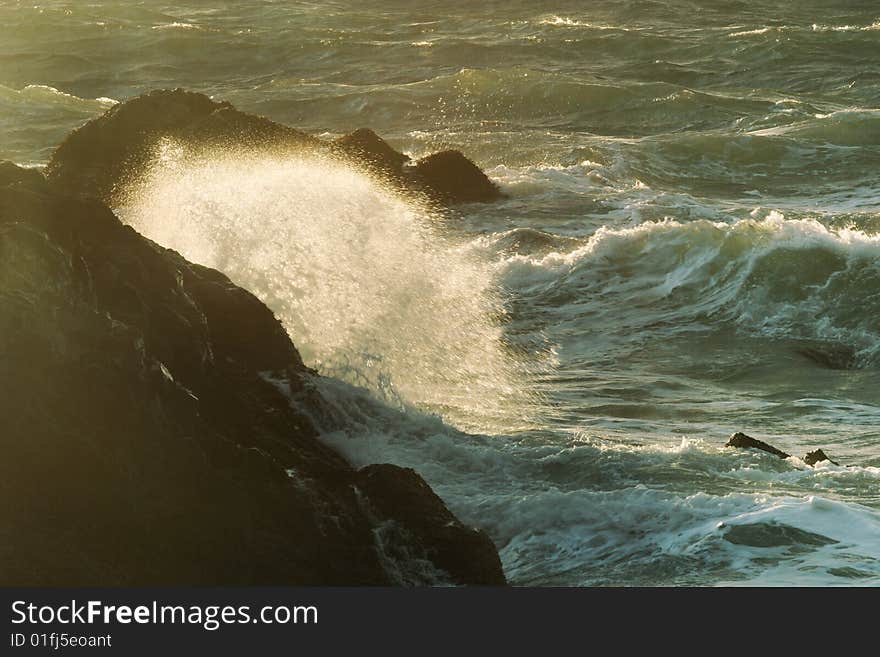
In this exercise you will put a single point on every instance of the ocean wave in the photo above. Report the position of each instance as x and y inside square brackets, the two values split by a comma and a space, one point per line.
[588, 511]
[177, 25]
[815, 27]
[522, 241]
[678, 539]
[755, 32]
[853, 126]
[768, 276]
[846, 28]
[35, 118]
[41, 94]
[580, 178]
[563, 21]
[557, 99]
[823, 476]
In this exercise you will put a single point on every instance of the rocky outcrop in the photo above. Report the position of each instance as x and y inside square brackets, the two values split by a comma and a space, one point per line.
[400, 498]
[105, 154]
[365, 147]
[453, 178]
[97, 159]
[743, 441]
[147, 439]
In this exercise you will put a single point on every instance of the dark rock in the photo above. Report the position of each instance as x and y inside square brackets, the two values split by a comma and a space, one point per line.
[747, 442]
[743, 441]
[105, 155]
[400, 496]
[366, 147]
[146, 439]
[98, 159]
[454, 178]
[240, 327]
[817, 456]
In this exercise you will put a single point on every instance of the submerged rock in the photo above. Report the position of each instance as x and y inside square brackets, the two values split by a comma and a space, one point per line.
[771, 534]
[830, 356]
[146, 439]
[104, 155]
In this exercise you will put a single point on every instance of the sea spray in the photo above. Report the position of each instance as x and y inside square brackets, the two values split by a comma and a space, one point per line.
[368, 289]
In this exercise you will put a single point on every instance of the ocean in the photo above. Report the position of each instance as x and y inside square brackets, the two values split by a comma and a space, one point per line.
[689, 246]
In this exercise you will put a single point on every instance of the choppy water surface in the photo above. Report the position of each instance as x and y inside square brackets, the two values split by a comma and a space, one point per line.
[689, 247]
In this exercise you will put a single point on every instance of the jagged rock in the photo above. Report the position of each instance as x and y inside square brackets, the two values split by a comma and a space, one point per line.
[817, 456]
[454, 178]
[145, 438]
[401, 496]
[366, 147]
[741, 440]
[106, 154]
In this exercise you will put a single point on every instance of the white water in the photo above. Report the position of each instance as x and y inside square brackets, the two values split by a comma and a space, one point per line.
[374, 294]
[766, 275]
[538, 502]
[366, 288]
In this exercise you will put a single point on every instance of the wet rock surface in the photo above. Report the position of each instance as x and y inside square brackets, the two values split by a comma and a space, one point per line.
[144, 441]
[401, 498]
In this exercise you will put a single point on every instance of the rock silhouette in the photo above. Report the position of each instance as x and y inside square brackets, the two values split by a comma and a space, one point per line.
[453, 178]
[101, 157]
[743, 441]
[155, 427]
[817, 456]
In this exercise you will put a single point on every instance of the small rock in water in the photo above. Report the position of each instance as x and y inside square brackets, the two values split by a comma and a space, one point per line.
[817, 456]
[743, 441]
